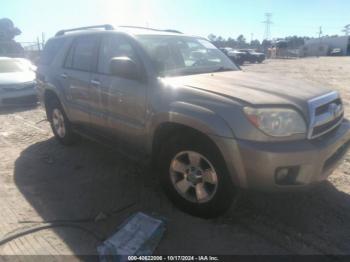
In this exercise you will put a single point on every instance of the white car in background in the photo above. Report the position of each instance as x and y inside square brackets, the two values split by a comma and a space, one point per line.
[27, 63]
[17, 82]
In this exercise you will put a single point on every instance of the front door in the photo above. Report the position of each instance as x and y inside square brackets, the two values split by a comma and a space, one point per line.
[122, 101]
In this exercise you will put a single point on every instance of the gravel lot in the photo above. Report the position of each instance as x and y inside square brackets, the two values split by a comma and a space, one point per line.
[42, 181]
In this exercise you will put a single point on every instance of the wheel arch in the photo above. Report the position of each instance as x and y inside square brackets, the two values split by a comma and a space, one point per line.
[48, 96]
[167, 130]
[52, 94]
[186, 118]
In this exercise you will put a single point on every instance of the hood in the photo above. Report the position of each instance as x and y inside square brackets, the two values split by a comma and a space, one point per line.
[16, 78]
[254, 88]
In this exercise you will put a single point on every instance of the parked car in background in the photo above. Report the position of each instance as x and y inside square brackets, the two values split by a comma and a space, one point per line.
[236, 56]
[336, 52]
[17, 83]
[179, 102]
[27, 63]
[251, 56]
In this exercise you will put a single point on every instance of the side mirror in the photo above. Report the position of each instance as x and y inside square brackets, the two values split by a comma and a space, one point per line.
[124, 67]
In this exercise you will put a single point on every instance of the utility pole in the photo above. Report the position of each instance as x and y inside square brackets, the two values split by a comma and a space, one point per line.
[268, 24]
[42, 39]
[38, 43]
[320, 32]
[320, 40]
[346, 30]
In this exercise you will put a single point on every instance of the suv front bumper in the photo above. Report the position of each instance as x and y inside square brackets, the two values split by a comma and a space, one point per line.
[255, 164]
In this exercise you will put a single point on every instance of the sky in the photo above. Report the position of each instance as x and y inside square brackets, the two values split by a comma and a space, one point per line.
[226, 18]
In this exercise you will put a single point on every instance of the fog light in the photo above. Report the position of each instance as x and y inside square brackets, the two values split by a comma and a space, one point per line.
[282, 174]
[286, 175]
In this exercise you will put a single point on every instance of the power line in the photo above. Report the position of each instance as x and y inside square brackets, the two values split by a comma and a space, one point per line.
[268, 24]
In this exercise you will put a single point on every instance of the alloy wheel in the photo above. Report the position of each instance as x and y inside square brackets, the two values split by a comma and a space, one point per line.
[193, 176]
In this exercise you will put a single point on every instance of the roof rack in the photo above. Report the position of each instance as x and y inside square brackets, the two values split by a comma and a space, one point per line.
[106, 27]
[153, 29]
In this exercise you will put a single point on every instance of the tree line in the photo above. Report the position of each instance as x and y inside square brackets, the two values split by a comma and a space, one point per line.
[291, 42]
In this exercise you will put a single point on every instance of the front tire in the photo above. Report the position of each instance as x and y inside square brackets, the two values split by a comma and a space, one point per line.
[194, 177]
[60, 125]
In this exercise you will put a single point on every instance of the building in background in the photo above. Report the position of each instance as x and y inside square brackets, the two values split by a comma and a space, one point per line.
[326, 46]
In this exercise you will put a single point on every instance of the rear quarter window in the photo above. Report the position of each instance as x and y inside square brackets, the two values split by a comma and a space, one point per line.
[50, 51]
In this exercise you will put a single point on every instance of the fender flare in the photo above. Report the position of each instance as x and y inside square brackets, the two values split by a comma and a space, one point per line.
[193, 116]
[58, 94]
[207, 122]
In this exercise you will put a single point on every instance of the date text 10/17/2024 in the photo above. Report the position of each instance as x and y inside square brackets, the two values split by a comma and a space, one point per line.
[173, 258]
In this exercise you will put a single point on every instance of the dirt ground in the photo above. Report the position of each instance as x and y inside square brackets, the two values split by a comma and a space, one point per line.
[42, 181]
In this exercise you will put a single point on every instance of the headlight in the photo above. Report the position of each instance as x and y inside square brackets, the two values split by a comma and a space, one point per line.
[279, 122]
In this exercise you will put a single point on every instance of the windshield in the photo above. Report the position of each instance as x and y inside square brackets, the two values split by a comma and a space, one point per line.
[183, 55]
[10, 66]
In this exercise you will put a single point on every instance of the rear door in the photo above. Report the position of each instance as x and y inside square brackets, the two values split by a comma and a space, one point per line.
[122, 101]
[77, 72]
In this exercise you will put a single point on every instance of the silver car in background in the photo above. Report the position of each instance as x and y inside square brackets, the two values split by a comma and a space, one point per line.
[17, 83]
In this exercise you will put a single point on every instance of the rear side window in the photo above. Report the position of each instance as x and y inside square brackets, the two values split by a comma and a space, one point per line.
[50, 51]
[82, 54]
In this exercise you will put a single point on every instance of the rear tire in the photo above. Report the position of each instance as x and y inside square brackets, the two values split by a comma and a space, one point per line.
[60, 125]
[206, 199]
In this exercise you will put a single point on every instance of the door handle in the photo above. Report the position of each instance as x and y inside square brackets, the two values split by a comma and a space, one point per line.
[95, 82]
[64, 76]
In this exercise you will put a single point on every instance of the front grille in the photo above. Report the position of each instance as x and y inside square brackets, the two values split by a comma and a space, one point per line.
[325, 127]
[324, 108]
[326, 113]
